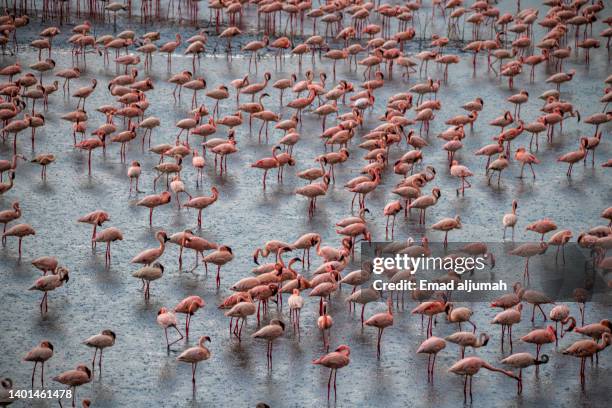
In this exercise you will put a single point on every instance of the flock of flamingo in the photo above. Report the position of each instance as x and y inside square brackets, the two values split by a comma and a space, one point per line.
[371, 38]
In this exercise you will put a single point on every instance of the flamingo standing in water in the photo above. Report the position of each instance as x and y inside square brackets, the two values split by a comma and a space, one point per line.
[240, 311]
[48, 283]
[296, 303]
[95, 218]
[509, 220]
[381, 321]
[154, 200]
[201, 203]
[148, 256]
[334, 360]
[109, 235]
[75, 378]
[587, 348]
[149, 273]
[523, 360]
[507, 319]
[324, 323]
[271, 332]
[194, 355]
[40, 354]
[20, 231]
[167, 319]
[219, 257]
[134, 172]
[539, 337]
[470, 366]
[7, 216]
[99, 342]
[432, 346]
[189, 306]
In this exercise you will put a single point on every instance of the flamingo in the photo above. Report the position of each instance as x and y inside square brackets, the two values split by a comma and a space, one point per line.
[189, 306]
[40, 354]
[432, 346]
[523, 360]
[153, 201]
[271, 332]
[381, 321]
[194, 355]
[75, 378]
[109, 235]
[334, 360]
[470, 366]
[105, 339]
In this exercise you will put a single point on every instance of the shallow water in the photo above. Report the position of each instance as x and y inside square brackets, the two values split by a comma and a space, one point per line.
[139, 372]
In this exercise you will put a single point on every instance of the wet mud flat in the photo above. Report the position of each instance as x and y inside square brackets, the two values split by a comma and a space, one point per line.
[139, 372]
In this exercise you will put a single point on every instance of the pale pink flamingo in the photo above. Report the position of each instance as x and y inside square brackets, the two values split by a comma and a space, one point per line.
[189, 306]
[468, 339]
[447, 225]
[105, 339]
[560, 314]
[431, 346]
[147, 274]
[539, 337]
[166, 319]
[523, 360]
[459, 315]
[587, 348]
[334, 360]
[510, 219]
[470, 366]
[20, 231]
[312, 191]
[219, 257]
[507, 319]
[194, 355]
[423, 202]
[200, 203]
[95, 218]
[148, 256]
[46, 264]
[575, 156]
[109, 235]
[154, 200]
[40, 354]
[240, 311]
[296, 303]
[324, 323]
[134, 172]
[48, 283]
[271, 332]
[75, 378]
[7, 216]
[381, 321]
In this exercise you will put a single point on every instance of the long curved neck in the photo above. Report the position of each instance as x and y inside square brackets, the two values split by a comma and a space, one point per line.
[279, 257]
[311, 96]
[162, 244]
[499, 370]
